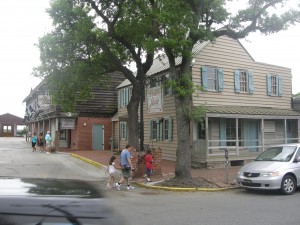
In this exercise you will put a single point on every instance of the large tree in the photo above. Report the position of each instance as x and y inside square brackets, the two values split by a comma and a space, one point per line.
[89, 39]
[117, 33]
[192, 21]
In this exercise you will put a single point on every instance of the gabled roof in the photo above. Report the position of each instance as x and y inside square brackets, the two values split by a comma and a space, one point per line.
[161, 63]
[34, 91]
[9, 118]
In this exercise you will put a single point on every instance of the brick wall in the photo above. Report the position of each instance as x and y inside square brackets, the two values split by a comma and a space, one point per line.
[83, 140]
[139, 163]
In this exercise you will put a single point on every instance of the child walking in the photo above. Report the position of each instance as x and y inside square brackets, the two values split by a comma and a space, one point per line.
[33, 142]
[149, 165]
[111, 172]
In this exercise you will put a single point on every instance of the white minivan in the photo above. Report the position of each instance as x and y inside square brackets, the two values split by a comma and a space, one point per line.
[278, 167]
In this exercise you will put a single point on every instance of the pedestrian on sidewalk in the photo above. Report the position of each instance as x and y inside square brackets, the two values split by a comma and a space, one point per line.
[111, 172]
[126, 167]
[149, 165]
[41, 142]
[48, 140]
[33, 141]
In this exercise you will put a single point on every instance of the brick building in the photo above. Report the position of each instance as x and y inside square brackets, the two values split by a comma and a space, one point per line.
[88, 127]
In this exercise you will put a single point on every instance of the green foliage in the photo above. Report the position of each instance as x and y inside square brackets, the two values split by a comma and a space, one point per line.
[195, 114]
[183, 86]
[297, 94]
[71, 62]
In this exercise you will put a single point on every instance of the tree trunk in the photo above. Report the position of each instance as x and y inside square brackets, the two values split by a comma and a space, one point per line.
[183, 153]
[133, 118]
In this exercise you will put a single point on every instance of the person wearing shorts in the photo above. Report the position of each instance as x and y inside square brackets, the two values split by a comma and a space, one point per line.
[126, 167]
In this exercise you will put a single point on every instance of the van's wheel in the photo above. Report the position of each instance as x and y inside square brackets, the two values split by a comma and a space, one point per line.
[288, 185]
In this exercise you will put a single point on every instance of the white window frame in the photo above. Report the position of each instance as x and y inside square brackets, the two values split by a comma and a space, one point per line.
[123, 130]
[212, 77]
[274, 85]
[244, 83]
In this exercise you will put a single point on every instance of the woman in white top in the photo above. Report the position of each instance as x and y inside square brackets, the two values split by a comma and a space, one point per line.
[111, 171]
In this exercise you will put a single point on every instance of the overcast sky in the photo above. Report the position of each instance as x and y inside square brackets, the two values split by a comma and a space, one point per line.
[22, 22]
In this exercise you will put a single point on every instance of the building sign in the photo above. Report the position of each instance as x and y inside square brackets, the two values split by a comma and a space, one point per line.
[154, 99]
[67, 123]
[44, 102]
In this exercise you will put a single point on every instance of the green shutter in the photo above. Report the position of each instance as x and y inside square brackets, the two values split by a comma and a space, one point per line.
[126, 96]
[204, 77]
[170, 129]
[269, 87]
[119, 99]
[237, 81]
[150, 130]
[222, 132]
[279, 86]
[161, 131]
[220, 79]
[250, 82]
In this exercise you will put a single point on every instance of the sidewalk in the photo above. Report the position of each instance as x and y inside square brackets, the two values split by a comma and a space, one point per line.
[216, 175]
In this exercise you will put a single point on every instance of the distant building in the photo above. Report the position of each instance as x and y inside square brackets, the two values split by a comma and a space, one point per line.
[87, 128]
[8, 125]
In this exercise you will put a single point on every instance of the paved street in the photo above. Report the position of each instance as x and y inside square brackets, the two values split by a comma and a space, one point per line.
[149, 207]
[18, 160]
[237, 207]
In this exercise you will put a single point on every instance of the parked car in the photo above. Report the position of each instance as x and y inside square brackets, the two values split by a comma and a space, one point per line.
[278, 167]
[27, 201]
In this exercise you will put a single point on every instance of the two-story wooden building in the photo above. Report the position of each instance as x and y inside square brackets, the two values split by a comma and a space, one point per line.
[247, 105]
[88, 127]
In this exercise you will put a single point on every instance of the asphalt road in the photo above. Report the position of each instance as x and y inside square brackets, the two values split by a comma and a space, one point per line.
[236, 207]
[152, 207]
[18, 160]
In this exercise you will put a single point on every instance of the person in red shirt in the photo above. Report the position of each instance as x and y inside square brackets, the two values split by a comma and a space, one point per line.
[149, 165]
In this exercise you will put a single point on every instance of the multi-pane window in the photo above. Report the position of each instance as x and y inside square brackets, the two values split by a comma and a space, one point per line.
[231, 132]
[124, 96]
[212, 79]
[161, 129]
[274, 85]
[243, 82]
[123, 130]
[154, 129]
[166, 129]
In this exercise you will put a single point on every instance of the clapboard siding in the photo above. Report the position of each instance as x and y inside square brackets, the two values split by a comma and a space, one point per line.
[104, 99]
[230, 55]
[168, 147]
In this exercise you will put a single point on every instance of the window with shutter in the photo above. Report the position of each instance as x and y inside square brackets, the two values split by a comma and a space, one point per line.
[274, 85]
[123, 130]
[243, 81]
[212, 78]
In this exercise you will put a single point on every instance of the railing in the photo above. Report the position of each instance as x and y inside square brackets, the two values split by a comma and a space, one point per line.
[214, 148]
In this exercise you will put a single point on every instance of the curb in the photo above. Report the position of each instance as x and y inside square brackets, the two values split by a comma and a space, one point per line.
[99, 165]
[175, 189]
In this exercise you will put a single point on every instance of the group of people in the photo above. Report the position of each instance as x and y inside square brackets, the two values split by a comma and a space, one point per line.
[127, 168]
[40, 142]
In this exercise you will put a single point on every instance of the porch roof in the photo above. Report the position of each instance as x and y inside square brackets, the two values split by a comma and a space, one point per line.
[250, 112]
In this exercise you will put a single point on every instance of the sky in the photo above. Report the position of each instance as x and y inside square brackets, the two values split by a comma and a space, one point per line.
[23, 22]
